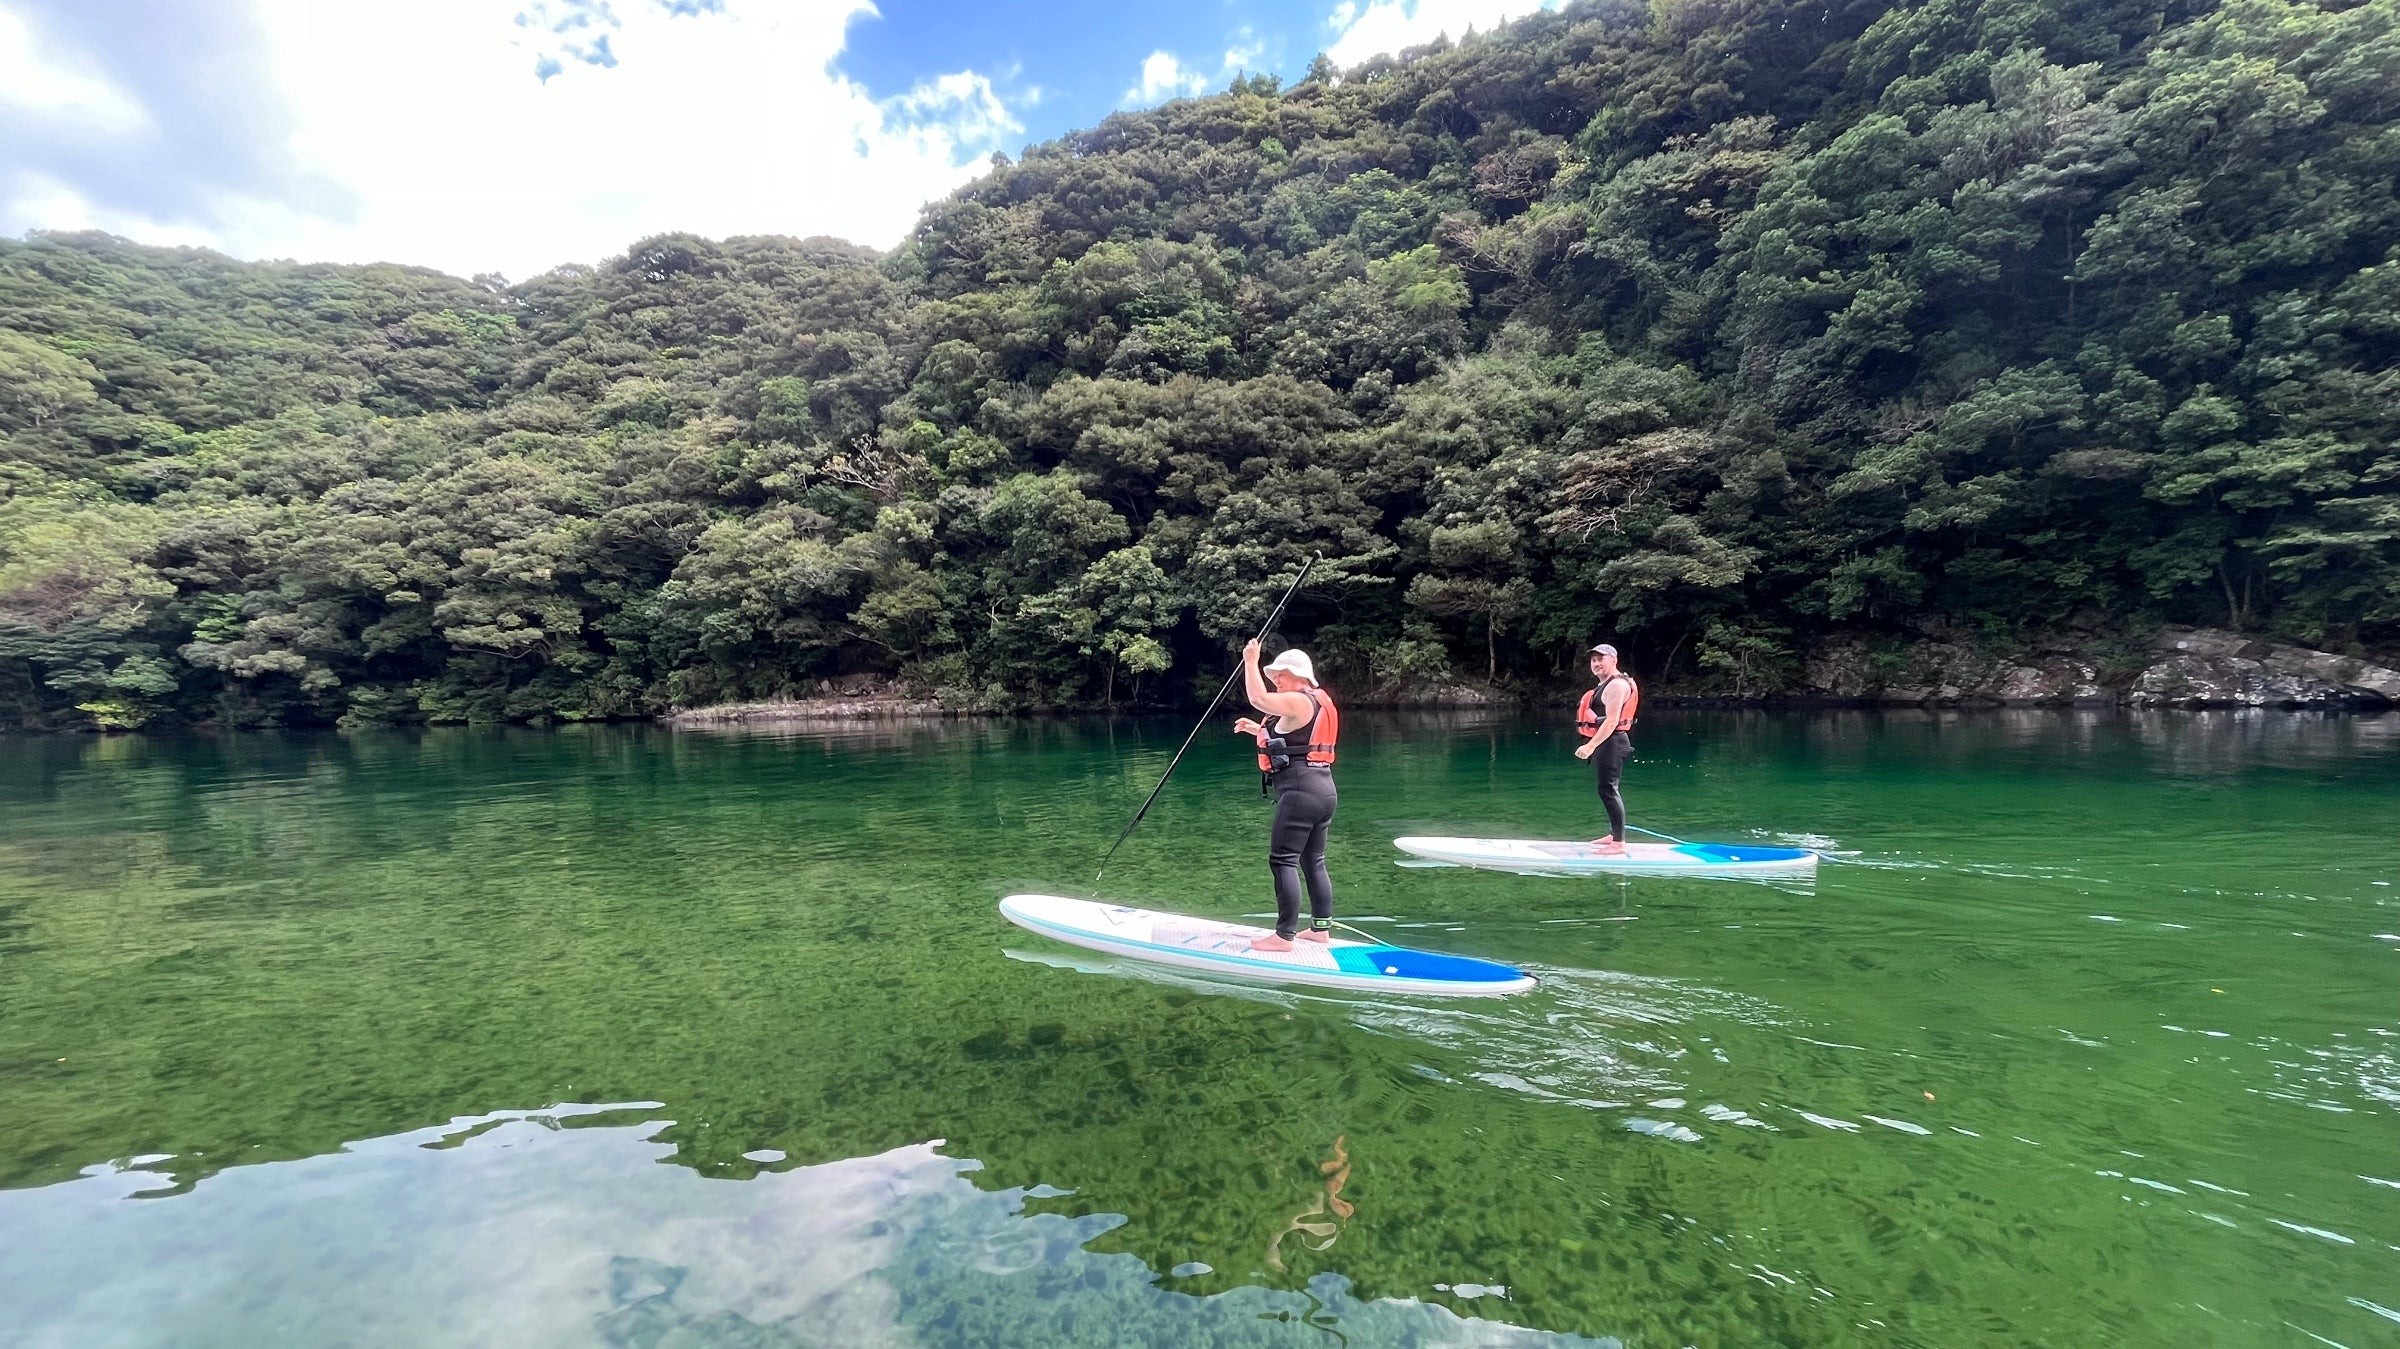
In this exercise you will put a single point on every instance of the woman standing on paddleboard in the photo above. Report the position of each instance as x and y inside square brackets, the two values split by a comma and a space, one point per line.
[1605, 717]
[1296, 754]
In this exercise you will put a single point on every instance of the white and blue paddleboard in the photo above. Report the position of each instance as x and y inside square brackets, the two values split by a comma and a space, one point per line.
[1535, 857]
[1224, 948]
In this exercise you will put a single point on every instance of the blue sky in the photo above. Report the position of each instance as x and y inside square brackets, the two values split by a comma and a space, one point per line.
[1083, 55]
[515, 135]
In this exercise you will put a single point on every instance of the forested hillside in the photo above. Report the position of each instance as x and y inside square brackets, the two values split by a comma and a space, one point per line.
[1719, 327]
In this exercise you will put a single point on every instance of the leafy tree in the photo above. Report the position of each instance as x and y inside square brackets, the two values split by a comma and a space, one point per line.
[1725, 328]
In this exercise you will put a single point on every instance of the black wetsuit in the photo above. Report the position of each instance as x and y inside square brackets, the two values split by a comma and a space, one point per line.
[1610, 759]
[1304, 804]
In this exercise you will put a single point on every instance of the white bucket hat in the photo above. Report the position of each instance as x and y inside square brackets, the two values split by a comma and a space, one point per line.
[1295, 661]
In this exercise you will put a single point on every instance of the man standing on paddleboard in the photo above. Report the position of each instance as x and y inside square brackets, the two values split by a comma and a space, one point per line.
[1296, 754]
[1605, 717]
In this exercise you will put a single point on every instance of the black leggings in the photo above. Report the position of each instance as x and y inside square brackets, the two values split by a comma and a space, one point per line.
[1610, 760]
[1304, 804]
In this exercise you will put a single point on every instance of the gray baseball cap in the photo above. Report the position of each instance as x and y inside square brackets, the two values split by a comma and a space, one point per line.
[1604, 649]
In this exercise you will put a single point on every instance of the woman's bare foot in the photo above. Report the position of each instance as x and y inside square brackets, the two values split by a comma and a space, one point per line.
[1271, 942]
[1608, 847]
[1317, 934]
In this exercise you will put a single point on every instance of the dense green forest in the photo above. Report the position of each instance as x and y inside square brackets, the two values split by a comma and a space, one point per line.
[1716, 326]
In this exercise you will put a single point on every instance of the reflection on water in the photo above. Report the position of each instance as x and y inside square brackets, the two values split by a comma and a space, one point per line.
[560, 1228]
[1581, 1037]
[1585, 1037]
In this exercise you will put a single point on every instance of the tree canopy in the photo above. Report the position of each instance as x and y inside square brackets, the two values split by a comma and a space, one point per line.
[1718, 326]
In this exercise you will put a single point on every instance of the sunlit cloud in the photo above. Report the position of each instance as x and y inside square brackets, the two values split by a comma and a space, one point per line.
[53, 86]
[961, 107]
[1389, 27]
[496, 135]
[1245, 52]
[1164, 76]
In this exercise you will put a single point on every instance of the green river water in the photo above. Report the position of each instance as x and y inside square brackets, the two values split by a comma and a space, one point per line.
[628, 1036]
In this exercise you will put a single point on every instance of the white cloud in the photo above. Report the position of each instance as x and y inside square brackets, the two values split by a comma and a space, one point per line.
[1164, 77]
[56, 88]
[961, 107]
[1389, 27]
[438, 143]
[1246, 49]
[41, 201]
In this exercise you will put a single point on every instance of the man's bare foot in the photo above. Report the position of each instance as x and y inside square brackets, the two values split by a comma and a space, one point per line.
[1271, 942]
[1318, 934]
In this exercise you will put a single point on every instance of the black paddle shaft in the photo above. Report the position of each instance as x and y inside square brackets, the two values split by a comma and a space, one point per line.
[1213, 704]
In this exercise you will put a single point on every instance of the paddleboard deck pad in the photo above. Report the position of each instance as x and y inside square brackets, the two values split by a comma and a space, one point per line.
[1224, 948]
[1535, 857]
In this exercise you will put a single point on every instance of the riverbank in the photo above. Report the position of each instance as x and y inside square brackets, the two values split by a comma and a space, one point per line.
[2170, 667]
[868, 700]
[2175, 667]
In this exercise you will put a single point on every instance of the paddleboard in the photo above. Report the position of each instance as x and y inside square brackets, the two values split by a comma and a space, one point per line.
[1224, 948]
[1534, 857]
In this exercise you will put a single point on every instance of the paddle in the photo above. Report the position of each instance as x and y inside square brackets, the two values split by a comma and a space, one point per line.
[1213, 704]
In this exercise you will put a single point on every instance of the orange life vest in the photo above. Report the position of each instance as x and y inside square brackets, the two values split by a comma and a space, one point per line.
[1324, 729]
[1587, 712]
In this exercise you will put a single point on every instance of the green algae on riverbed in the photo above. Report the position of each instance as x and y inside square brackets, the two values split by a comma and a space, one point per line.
[2089, 1040]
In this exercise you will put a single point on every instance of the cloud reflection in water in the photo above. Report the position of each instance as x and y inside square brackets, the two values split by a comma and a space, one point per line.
[562, 1228]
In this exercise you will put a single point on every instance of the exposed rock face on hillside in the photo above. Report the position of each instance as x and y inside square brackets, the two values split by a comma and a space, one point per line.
[806, 709]
[1950, 671]
[2179, 667]
[2206, 667]
[1435, 695]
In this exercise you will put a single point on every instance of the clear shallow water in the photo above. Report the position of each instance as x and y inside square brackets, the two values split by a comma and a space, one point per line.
[622, 1036]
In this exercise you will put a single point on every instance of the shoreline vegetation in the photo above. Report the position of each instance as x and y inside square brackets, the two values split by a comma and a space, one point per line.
[2191, 668]
[1941, 351]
